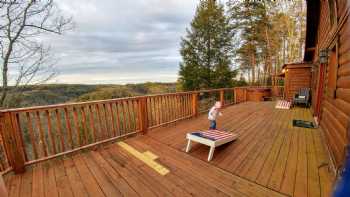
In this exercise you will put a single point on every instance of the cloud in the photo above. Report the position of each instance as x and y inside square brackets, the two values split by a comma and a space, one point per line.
[119, 41]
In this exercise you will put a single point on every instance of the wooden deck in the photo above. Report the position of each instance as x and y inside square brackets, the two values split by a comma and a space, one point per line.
[270, 158]
[270, 151]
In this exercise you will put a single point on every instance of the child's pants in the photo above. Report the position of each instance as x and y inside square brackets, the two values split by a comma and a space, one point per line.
[212, 124]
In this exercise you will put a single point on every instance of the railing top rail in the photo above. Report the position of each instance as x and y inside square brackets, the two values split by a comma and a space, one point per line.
[73, 104]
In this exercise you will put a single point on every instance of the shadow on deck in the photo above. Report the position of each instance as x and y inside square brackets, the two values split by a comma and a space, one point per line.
[270, 158]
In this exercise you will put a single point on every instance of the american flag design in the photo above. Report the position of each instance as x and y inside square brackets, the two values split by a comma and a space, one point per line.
[213, 135]
[283, 104]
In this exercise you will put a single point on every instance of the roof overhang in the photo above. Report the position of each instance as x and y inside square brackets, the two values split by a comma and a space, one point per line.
[312, 21]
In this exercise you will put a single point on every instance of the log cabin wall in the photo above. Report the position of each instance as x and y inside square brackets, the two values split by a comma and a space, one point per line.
[297, 76]
[333, 33]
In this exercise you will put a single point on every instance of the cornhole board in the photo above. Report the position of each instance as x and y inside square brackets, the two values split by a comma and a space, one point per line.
[211, 138]
[281, 104]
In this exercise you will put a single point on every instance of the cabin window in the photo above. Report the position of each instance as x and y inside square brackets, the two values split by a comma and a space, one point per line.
[332, 72]
[332, 12]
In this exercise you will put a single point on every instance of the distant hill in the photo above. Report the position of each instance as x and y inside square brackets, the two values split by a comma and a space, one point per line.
[63, 93]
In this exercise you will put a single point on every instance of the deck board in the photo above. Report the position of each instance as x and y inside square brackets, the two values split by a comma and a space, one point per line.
[270, 158]
[50, 187]
[270, 151]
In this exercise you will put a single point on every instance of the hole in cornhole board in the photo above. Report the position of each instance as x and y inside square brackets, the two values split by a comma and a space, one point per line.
[303, 123]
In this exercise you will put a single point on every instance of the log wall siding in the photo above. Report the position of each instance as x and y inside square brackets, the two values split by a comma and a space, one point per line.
[335, 107]
[296, 78]
[34, 134]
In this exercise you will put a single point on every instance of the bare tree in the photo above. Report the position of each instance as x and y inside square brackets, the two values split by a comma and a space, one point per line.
[24, 57]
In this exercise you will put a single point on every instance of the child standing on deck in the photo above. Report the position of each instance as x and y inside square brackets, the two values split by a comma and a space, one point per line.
[213, 113]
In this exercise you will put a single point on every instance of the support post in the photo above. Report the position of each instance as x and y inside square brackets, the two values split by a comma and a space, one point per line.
[12, 142]
[143, 115]
[222, 97]
[195, 104]
[234, 95]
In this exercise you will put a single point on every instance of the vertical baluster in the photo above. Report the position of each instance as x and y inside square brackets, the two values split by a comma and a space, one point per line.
[124, 117]
[177, 106]
[186, 105]
[138, 110]
[171, 107]
[176, 103]
[76, 125]
[69, 127]
[235, 95]
[188, 108]
[117, 119]
[113, 119]
[222, 97]
[173, 104]
[41, 132]
[149, 111]
[31, 135]
[166, 108]
[155, 108]
[195, 107]
[85, 129]
[106, 120]
[154, 111]
[49, 130]
[92, 123]
[159, 110]
[189, 101]
[59, 130]
[135, 114]
[102, 132]
[182, 106]
[129, 116]
[162, 111]
[17, 126]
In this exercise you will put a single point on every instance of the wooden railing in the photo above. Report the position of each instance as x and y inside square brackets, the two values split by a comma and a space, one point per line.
[34, 134]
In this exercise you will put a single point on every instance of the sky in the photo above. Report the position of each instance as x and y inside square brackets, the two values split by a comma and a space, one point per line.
[121, 41]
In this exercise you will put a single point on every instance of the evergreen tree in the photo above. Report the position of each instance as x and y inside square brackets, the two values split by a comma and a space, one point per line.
[246, 17]
[271, 33]
[207, 49]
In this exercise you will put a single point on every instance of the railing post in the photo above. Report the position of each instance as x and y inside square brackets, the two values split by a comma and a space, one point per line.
[222, 97]
[195, 104]
[12, 142]
[245, 91]
[235, 95]
[143, 115]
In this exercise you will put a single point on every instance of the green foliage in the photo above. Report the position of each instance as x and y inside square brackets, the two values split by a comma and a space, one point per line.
[270, 34]
[107, 93]
[45, 94]
[62, 93]
[207, 49]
